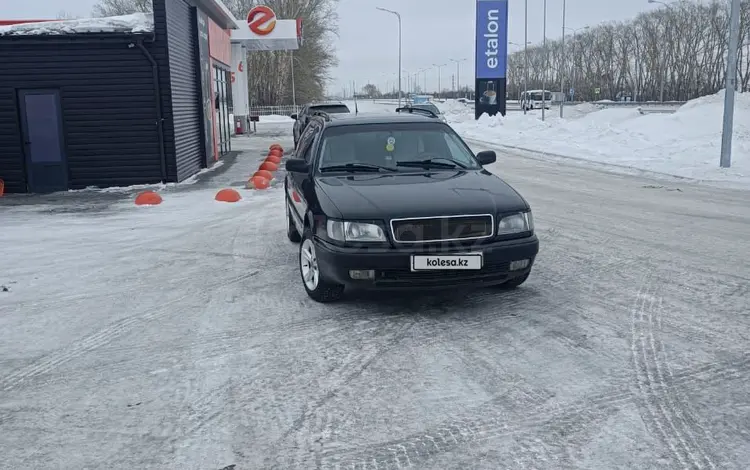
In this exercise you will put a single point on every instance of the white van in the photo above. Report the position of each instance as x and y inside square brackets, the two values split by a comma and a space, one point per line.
[533, 99]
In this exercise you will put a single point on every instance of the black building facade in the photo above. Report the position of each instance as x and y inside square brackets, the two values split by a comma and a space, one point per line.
[105, 108]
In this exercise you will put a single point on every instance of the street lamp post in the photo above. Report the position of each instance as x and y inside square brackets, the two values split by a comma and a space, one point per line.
[731, 83]
[458, 71]
[399, 49]
[562, 64]
[526, 53]
[439, 67]
[544, 70]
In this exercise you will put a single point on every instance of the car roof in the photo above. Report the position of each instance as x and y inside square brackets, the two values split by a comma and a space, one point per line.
[326, 103]
[377, 118]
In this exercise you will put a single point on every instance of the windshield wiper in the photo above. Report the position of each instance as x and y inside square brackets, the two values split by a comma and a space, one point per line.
[434, 163]
[357, 167]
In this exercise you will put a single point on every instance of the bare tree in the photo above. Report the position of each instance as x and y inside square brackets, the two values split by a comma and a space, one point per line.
[684, 46]
[270, 72]
[122, 7]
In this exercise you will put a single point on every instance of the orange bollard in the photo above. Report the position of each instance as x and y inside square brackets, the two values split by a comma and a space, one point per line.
[273, 159]
[276, 146]
[148, 198]
[228, 195]
[264, 174]
[269, 166]
[258, 182]
[277, 152]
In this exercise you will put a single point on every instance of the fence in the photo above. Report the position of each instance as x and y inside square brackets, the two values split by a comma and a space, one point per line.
[287, 110]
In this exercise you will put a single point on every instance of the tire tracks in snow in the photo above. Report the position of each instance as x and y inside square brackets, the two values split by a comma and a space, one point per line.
[312, 424]
[661, 408]
[104, 336]
[554, 417]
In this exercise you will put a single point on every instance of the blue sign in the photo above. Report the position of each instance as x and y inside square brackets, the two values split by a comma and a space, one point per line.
[492, 39]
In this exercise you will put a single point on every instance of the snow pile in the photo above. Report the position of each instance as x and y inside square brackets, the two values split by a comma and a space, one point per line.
[275, 118]
[686, 143]
[135, 23]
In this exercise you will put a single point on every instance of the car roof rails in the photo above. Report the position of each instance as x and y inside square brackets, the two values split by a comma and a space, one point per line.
[412, 110]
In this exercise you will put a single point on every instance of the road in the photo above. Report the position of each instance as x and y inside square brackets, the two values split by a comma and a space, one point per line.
[190, 343]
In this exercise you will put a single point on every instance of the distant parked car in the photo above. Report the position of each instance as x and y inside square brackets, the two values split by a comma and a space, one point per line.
[303, 118]
[426, 107]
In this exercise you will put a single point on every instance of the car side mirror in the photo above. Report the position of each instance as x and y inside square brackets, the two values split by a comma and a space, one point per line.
[294, 116]
[297, 165]
[487, 157]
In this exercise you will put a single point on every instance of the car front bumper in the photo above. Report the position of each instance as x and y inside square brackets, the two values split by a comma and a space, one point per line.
[393, 266]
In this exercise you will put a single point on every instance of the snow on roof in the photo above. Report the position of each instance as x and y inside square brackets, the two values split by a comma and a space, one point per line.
[135, 23]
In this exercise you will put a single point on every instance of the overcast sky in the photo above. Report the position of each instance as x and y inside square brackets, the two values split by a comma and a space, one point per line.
[434, 31]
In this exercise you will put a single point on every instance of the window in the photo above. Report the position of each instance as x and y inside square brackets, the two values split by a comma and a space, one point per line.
[332, 109]
[222, 91]
[458, 150]
[306, 140]
[389, 144]
[428, 107]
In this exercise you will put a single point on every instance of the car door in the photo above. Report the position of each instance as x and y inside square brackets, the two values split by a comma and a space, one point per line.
[297, 183]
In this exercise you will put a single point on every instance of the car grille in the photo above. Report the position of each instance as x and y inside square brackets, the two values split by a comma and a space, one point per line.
[440, 229]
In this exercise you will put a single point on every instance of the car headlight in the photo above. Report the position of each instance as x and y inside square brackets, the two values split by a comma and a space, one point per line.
[354, 231]
[516, 223]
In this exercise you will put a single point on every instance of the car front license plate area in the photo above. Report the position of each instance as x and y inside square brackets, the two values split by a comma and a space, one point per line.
[468, 261]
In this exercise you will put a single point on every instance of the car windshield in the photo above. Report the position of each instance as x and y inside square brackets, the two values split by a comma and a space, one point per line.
[395, 146]
[428, 107]
[331, 109]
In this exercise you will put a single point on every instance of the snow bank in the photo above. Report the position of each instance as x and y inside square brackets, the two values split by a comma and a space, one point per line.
[135, 23]
[275, 118]
[686, 143]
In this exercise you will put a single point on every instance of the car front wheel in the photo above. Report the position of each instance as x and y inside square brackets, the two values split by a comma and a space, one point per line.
[315, 284]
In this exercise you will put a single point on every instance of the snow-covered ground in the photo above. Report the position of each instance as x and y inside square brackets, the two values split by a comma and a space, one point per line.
[180, 337]
[686, 143]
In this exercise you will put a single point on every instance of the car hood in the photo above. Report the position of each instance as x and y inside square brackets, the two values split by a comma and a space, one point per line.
[394, 195]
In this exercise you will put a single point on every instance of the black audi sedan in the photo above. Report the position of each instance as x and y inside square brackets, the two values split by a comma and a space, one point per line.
[399, 201]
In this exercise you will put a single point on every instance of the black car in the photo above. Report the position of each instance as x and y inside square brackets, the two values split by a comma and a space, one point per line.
[396, 201]
[307, 111]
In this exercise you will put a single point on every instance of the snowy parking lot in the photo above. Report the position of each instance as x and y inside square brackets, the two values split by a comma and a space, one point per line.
[179, 336]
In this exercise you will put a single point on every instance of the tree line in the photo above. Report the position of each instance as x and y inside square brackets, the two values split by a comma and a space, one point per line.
[270, 72]
[683, 45]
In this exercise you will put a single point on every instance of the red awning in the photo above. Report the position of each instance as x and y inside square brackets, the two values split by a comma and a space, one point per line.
[12, 22]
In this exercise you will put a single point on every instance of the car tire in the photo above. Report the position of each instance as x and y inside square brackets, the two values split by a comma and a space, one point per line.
[291, 230]
[313, 281]
[515, 282]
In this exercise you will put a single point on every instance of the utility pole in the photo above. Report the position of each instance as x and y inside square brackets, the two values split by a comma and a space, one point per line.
[526, 53]
[458, 71]
[563, 69]
[294, 92]
[399, 49]
[544, 71]
[440, 88]
[731, 83]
